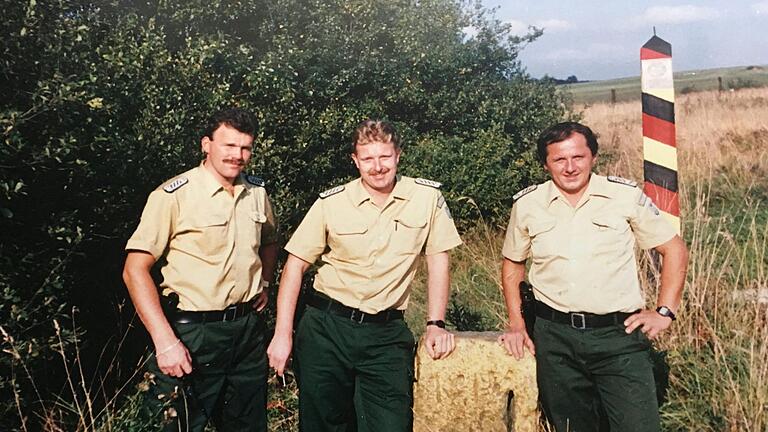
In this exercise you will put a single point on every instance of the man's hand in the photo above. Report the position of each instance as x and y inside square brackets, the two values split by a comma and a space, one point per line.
[279, 351]
[650, 322]
[438, 342]
[515, 339]
[174, 359]
[261, 300]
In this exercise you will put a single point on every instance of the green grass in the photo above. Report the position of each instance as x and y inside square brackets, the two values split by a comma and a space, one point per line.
[628, 89]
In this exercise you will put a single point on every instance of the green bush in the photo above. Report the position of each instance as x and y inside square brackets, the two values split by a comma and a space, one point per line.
[102, 101]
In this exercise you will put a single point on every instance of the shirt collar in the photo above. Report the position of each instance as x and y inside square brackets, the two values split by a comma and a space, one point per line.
[211, 185]
[358, 194]
[597, 186]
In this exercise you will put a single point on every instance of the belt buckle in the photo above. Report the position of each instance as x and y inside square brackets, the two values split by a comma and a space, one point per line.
[230, 317]
[358, 320]
[581, 317]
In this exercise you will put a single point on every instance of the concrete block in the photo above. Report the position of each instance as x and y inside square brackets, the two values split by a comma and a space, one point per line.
[477, 388]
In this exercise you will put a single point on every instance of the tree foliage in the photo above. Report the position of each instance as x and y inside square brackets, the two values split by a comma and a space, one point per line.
[104, 100]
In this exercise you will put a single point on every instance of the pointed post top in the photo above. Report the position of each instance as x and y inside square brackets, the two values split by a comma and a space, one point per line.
[654, 30]
[656, 47]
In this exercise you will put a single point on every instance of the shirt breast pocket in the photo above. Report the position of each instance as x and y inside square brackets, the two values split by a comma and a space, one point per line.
[210, 234]
[348, 241]
[610, 233]
[543, 240]
[255, 222]
[409, 234]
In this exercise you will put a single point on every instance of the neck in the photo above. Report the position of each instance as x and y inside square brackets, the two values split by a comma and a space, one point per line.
[227, 183]
[379, 197]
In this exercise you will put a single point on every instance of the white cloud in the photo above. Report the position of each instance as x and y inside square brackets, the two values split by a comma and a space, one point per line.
[678, 14]
[517, 27]
[590, 52]
[549, 25]
[553, 24]
[761, 8]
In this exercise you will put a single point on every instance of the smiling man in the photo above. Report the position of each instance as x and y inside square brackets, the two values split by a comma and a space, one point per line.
[592, 330]
[353, 352]
[215, 231]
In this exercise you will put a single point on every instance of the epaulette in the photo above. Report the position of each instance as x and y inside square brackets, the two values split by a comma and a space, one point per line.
[176, 184]
[430, 183]
[331, 191]
[621, 180]
[256, 181]
[524, 192]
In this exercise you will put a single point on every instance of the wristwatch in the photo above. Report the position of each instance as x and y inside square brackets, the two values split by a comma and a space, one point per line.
[264, 284]
[666, 312]
[439, 323]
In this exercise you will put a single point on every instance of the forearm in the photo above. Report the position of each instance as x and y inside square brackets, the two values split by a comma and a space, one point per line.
[268, 256]
[673, 270]
[512, 273]
[146, 300]
[438, 285]
[288, 294]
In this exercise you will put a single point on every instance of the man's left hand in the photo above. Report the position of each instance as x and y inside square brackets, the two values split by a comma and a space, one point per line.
[650, 322]
[261, 300]
[439, 342]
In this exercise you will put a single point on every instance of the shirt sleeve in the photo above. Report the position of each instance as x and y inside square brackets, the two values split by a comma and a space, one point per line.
[156, 225]
[310, 239]
[269, 230]
[443, 235]
[517, 242]
[650, 227]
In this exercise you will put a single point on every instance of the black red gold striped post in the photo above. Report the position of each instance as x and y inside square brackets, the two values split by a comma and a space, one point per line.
[659, 146]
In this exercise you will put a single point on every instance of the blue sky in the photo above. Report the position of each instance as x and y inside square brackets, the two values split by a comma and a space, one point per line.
[601, 39]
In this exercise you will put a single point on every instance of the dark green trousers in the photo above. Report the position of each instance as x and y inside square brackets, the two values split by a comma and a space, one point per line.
[228, 383]
[351, 376]
[578, 370]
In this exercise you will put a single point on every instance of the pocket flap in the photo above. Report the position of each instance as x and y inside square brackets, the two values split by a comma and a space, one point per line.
[210, 220]
[350, 228]
[611, 222]
[412, 220]
[258, 217]
[541, 226]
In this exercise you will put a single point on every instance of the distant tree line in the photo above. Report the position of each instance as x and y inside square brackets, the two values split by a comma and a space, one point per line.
[102, 101]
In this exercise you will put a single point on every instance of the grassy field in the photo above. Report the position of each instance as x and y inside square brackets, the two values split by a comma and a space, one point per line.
[717, 349]
[628, 89]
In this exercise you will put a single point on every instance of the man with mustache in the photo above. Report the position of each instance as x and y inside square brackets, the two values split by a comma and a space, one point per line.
[353, 351]
[592, 330]
[213, 229]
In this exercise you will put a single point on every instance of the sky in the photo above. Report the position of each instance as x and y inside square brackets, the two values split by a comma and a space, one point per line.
[596, 40]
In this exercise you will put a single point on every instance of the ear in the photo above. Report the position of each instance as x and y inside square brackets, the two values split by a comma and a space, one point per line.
[398, 153]
[354, 159]
[205, 144]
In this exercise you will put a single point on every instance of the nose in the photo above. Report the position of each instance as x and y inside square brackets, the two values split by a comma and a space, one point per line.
[377, 165]
[570, 166]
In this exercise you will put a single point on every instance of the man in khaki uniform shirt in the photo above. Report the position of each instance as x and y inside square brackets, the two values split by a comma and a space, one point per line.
[216, 231]
[353, 351]
[591, 336]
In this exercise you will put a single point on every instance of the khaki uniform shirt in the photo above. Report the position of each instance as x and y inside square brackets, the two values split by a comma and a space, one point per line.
[583, 258]
[209, 238]
[370, 253]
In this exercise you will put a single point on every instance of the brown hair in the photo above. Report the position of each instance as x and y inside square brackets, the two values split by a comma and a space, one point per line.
[369, 131]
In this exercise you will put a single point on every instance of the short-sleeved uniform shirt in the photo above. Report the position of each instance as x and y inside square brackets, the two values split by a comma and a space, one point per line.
[583, 257]
[370, 253]
[210, 239]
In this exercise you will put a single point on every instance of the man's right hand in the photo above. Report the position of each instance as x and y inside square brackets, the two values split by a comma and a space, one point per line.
[515, 339]
[279, 351]
[174, 359]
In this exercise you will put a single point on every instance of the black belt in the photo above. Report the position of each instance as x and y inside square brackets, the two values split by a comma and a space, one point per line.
[231, 313]
[580, 320]
[323, 302]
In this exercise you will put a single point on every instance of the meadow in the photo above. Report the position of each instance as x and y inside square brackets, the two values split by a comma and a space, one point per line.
[628, 89]
[717, 349]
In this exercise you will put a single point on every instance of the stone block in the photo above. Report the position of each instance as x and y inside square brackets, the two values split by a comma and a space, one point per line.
[477, 388]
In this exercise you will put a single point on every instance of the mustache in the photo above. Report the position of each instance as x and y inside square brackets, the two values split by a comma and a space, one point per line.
[235, 161]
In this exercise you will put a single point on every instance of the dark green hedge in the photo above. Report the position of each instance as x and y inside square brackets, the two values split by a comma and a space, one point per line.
[102, 101]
